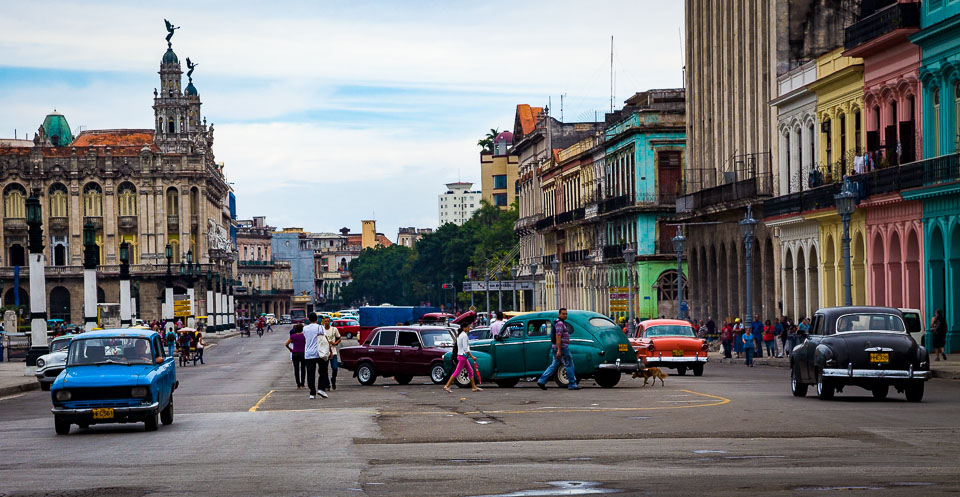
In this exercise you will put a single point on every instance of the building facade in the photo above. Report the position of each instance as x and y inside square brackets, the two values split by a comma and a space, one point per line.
[458, 203]
[264, 285]
[408, 237]
[498, 172]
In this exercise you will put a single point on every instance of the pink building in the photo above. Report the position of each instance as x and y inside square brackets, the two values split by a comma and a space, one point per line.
[895, 251]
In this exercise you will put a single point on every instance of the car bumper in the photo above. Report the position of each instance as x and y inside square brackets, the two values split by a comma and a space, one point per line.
[899, 374]
[675, 361]
[620, 367]
[43, 377]
[120, 414]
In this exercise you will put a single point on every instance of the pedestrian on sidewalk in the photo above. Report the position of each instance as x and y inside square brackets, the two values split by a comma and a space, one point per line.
[748, 346]
[738, 338]
[757, 329]
[333, 337]
[295, 344]
[312, 334]
[560, 352]
[768, 337]
[726, 339]
[199, 344]
[711, 328]
[939, 327]
[461, 350]
[780, 330]
[496, 325]
[170, 338]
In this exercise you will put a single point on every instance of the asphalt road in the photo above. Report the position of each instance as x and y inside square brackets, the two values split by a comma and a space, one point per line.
[242, 428]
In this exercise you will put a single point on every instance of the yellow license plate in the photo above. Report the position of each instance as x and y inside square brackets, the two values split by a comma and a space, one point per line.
[879, 357]
[623, 347]
[103, 413]
[677, 353]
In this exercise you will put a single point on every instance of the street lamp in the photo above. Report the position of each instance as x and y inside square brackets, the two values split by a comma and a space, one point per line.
[748, 228]
[125, 314]
[513, 276]
[679, 242]
[90, 256]
[588, 262]
[211, 316]
[533, 292]
[846, 204]
[555, 264]
[629, 255]
[38, 304]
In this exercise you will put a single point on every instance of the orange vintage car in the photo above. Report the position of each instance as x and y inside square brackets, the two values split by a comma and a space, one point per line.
[670, 343]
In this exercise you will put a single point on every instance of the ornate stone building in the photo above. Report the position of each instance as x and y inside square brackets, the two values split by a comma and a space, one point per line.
[265, 284]
[147, 187]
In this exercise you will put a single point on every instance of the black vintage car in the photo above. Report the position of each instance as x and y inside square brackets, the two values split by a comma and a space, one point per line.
[868, 347]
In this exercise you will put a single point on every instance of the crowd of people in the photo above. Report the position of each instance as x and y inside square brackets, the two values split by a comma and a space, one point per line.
[187, 342]
[313, 351]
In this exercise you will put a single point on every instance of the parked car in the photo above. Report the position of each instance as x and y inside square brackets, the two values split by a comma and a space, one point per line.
[479, 333]
[868, 347]
[401, 352]
[284, 319]
[436, 318]
[114, 376]
[349, 328]
[50, 365]
[670, 343]
[599, 348]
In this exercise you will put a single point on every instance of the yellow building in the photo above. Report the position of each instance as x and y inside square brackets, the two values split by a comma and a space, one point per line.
[831, 257]
[839, 90]
[498, 173]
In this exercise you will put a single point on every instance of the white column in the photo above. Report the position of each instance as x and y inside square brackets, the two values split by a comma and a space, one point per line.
[125, 314]
[217, 309]
[168, 308]
[796, 164]
[133, 307]
[784, 167]
[191, 320]
[210, 315]
[89, 299]
[38, 306]
[223, 309]
[231, 314]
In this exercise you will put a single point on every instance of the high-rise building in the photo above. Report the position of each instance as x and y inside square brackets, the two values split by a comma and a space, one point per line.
[498, 172]
[458, 203]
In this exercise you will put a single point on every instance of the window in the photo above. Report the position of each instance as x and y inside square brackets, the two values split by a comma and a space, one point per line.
[500, 182]
[869, 322]
[408, 339]
[539, 328]
[58, 200]
[14, 202]
[499, 199]
[856, 136]
[513, 330]
[956, 116]
[127, 200]
[386, 338]
[92, 200]
[173, 202]
[936, 122]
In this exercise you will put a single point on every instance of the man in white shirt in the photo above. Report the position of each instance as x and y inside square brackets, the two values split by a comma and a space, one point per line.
[497, 325]
[315, 353]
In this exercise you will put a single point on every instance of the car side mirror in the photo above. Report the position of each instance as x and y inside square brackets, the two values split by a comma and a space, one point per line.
[158, 360]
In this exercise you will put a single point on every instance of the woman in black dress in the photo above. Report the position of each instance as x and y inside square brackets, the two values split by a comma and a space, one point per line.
[939, 327]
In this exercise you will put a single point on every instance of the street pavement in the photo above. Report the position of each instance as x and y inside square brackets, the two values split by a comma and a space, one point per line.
[242, 428]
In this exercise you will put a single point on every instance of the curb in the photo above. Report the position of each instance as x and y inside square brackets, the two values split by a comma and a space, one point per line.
[23, 387]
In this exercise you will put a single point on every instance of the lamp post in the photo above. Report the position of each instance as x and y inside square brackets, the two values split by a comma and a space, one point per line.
[168, 291]
[679, 242]
[748, 228]
[486, 282]
[211, 315]
[588, 262]
[629, 255]
[453, 294]
[555, 265]
[846, 204]
[125, 313]
[513, 277]
[231, 314]
[38, 304]
[533, 293]
[89, 276]
[500, 291]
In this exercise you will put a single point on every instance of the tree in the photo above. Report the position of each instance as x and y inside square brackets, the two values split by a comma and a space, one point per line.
[487, 142]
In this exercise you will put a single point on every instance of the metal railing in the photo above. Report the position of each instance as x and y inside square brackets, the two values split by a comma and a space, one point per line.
[896, 16]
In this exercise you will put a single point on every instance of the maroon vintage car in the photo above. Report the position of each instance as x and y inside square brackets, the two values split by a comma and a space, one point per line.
[401, 352]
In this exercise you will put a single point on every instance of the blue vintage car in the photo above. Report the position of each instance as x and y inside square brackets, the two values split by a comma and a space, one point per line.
[114, 376]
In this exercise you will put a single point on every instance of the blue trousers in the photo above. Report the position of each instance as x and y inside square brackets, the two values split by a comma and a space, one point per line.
[566, 360]
[749, 361]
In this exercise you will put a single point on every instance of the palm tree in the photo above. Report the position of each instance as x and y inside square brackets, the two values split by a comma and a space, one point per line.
[487, 142]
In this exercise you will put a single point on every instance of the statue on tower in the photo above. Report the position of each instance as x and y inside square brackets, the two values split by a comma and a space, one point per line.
[170, 30]
[190, 66]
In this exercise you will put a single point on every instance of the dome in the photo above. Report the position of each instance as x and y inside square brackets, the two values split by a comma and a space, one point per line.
[57, 129]
[191, 90]
[504, 136]
[169, 57]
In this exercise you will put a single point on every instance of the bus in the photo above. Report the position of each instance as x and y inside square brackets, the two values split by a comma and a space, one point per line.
[298, 315]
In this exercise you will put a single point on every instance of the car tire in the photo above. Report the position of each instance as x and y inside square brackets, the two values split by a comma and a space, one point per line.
[914, 392]
[607, 379]
[61, 426]
[507, 382]
[880, 392]
[366, 374]
[698, 369]
[166, 415]
[824, 387]
[45, 386]
[438, 374]
[152, 422]
[796, 387]
[681, 370]
[463, 379]
[348, 336]
[403, 379]
[83, 426]
[560, 377]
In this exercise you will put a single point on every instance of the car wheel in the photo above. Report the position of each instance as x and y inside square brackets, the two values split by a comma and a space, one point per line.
[607, 379]
[799, 389]
[349, 336]
[681, 370]
[403, 379]
[698, 369]
[507, 382]
[561, 377]
[463, 379]
[45, 386]
[61, 426]
[915, 392]
[366, 374]
[437, 373]
[83, 426]
[880, 392]
[166, 415]
[150, 424]
[824, 388]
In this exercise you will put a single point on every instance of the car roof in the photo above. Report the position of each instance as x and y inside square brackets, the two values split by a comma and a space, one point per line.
[833, 312]
[654, 322]
[120, 333]
[577, 316]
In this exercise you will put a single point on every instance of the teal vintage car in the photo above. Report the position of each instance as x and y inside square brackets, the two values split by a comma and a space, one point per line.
[599, 348]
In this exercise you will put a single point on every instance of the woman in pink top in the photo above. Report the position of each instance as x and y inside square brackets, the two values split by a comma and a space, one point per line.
[295, 344]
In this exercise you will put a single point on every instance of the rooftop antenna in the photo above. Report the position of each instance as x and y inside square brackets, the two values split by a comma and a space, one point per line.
[611, 74]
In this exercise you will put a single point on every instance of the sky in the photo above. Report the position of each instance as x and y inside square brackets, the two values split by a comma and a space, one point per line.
[327, 113]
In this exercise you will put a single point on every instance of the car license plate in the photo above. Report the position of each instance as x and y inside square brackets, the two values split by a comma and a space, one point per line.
[677, 353]
[879, 357]
[103, 413]
[622, 347]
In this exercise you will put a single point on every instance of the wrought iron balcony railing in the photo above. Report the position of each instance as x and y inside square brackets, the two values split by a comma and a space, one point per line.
[896, 16]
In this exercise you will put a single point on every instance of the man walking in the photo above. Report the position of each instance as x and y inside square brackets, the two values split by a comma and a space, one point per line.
[757, 331]
[332, 335]
[560, 351]
[497, 325]
[312, 335]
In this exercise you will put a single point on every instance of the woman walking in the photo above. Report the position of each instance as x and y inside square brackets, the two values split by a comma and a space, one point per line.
[200, 344]
[726, 337]
[462, 351]
[939, 327]
[768, 336]
[738, 337]
[295, 344]
[748, 345]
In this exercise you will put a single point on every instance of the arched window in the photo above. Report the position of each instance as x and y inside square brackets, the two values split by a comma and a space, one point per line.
[936, 122]
[159, 125]
[667, 286]
[92, 200]
[173, 202]
[127, 199]
[14, 197]
[171, 127]
[58, 200]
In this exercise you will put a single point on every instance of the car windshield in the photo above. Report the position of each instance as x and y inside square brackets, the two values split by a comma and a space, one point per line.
[870, 322]
[669, 330]
[603, 323]
[110, 350]
[59, 345]
[437, 338]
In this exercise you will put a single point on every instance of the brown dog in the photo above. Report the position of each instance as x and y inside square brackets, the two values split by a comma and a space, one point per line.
[648, 373]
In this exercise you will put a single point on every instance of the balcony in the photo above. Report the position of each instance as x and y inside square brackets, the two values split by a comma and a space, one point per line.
[127, 222]
[15, 223]
[59, 223]
[570, 216]
[173, 223]
[544, 223]
[574, 256]
[612, 204]
[611, 252]
[896, 16]
[760, 185]
[257, 263]
[97, 221]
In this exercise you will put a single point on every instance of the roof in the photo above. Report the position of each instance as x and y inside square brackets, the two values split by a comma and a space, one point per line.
[837, 311]
[527, 117]
[169, 57]
[57, 129]
[114, 138]
[119, 332]
[15, 142]
[383, 240]
[504, 136]
[660, 322]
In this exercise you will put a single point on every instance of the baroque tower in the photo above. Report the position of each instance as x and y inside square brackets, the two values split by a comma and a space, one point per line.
[176, 112]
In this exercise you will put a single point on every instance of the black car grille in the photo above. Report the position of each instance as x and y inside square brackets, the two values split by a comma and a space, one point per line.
[52, 372]
[100, 393]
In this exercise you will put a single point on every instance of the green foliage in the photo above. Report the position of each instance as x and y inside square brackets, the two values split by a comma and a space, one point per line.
[403, 276]
[487, 142]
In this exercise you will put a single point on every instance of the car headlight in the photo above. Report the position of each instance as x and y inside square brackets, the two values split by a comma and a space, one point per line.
[139, 392]
[63, 395]
[40, 363]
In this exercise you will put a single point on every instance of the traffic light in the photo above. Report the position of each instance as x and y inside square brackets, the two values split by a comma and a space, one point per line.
[448, 286]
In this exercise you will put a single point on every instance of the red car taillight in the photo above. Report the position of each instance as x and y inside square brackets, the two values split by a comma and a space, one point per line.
[650, 347]
[703, 346]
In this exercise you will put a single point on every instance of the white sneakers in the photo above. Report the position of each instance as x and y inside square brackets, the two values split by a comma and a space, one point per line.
[322, 393]
[312, 397]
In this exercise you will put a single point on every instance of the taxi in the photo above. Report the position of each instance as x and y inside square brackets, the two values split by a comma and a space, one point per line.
[670, 343]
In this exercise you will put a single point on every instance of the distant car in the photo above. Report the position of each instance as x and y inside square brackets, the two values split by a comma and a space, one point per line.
[270, 319]
[479, 333]
[284, 319]
[863, 346]
[436, 318]
[50, 365]
[670, 343]
[114, 376]
[401, 352]
[349, 328]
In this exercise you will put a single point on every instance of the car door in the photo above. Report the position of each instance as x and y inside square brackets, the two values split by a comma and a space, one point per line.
[384, 352]
[806, 352]
[536, 348]
[164, 371]
[508, 348]
[411, 358]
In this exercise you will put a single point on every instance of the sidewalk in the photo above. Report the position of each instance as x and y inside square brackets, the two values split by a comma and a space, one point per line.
[941, 369]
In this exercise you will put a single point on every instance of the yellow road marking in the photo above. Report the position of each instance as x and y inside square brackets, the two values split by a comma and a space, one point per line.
[262, 399]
